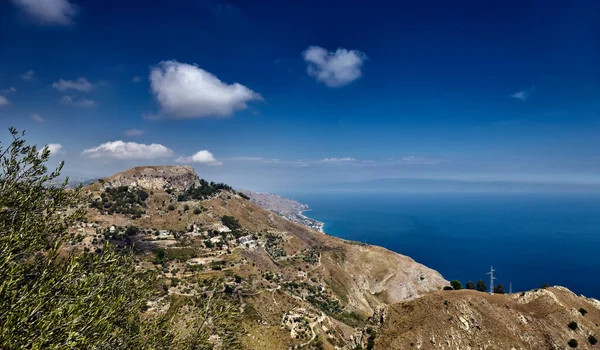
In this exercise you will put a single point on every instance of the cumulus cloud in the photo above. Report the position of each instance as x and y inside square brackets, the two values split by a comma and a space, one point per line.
[134, 132]
[201, 157]
[48, 12]
[3, 101]
[28, 75]
[54, 148]
[79, 102]
[128, 150]
[136, 79]
[187, 91]
[37, 118]
[81, 84]
[10, 89]
[334, 69]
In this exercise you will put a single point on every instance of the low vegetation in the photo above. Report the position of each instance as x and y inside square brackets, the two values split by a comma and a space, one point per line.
[204, 191]
[57, 298]
[122, 200]
[456, 285]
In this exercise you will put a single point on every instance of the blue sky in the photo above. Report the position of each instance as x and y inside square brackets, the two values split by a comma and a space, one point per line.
[273, 95]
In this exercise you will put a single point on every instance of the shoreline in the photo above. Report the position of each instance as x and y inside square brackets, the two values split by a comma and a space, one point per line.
[320, 225]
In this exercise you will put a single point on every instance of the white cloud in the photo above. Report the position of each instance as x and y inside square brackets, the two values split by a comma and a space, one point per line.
[334, 69]
[10, 89]
[37, 118]
[187, 91]
[28, 75]
[202, 157]
[338, 160]
[48, 12]
[81, 84]
[136, 79]
[54, 148]
[521, 95]
[128, 150]
[3, 101]
[79, 102]
[134, 132]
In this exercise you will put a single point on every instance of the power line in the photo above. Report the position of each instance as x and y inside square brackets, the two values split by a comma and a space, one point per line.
[492, 278]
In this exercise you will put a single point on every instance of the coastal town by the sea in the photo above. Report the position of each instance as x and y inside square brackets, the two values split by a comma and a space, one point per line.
[302, 219]
[288, 208]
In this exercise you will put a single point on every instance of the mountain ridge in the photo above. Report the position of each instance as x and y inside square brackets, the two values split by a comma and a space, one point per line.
[300, 287]
[341, 284]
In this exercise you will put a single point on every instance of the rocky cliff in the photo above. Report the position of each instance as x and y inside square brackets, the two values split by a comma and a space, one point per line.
[177, 178]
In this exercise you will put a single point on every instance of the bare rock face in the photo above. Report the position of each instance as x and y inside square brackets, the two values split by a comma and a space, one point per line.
[173, 177]
[468, 319]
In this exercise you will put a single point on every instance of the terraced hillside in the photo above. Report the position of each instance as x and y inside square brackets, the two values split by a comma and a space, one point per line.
[295, 286]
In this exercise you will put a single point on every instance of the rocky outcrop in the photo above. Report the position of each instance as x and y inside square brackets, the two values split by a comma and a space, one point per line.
[176, 177]
[466, 319]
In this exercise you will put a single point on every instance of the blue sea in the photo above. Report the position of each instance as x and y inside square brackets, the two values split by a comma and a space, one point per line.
[530, 239]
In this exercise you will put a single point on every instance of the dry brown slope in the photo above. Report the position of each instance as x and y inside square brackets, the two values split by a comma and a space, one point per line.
[363, 276]
[472, 320]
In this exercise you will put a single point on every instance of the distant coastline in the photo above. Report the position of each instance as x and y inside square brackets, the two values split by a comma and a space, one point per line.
[285, 207]
[318, 225]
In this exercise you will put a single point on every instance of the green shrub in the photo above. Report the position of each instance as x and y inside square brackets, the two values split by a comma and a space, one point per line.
[592, 340]
[231, 222]
[573, 343]
[583, 311]
[573, 325]
[181, 254]
[243, 196]
[456, 285]
[204, 191]
[481, 286]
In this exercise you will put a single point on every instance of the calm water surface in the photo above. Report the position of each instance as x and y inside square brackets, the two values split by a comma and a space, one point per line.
[530, 239]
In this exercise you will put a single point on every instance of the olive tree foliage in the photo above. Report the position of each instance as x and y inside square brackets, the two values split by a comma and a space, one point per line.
[50, 298]
[55, 297]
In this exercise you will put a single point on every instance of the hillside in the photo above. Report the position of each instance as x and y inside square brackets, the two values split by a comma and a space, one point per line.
[298, 287]
[468, 319]
[295, 285]
[288, 208]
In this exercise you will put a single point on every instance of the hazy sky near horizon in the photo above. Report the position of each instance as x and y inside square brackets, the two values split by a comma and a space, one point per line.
[269, 95]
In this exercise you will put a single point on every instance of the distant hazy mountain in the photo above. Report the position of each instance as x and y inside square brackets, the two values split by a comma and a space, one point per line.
[433, 185]
[275, 202]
